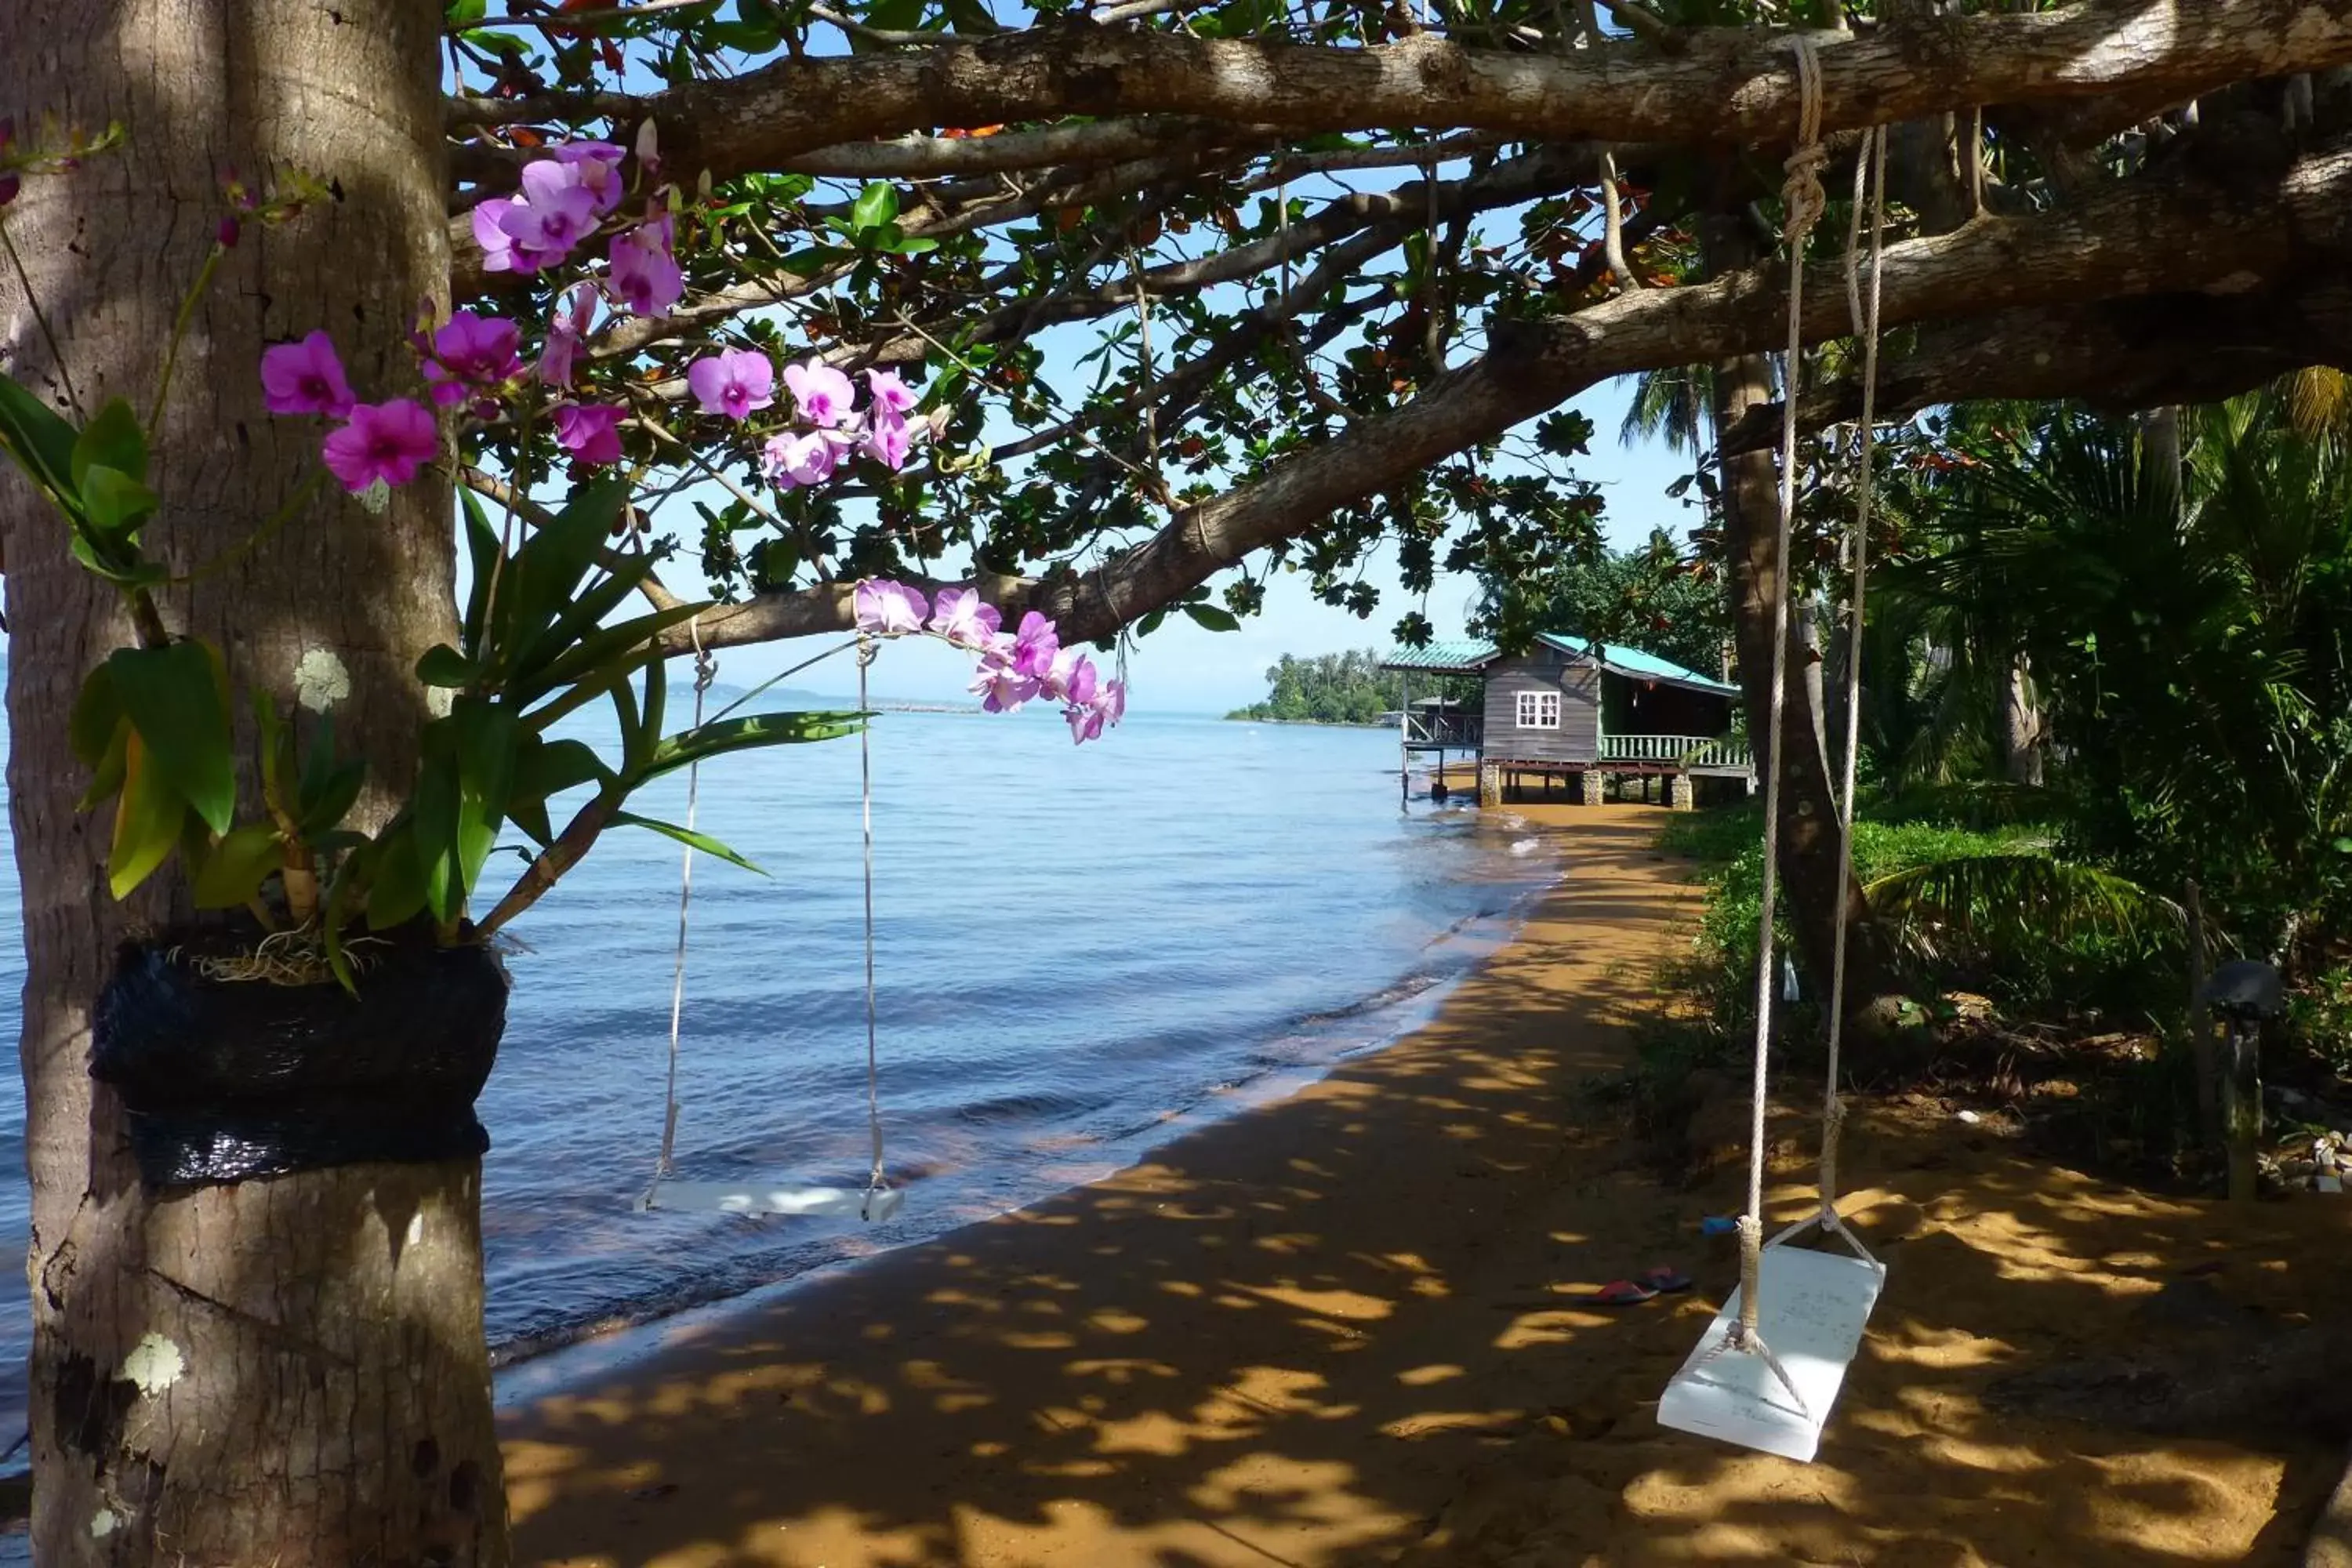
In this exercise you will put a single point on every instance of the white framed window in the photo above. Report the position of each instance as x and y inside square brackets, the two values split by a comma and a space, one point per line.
[1538, 709]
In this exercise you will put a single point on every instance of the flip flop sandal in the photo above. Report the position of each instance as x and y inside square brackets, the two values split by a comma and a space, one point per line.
[1622, 1293]
[1664, 1280]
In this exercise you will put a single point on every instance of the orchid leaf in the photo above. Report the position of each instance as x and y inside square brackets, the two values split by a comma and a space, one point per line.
[744, 734]
[173, 699]
[486, 558]
[233, 870]
[147, 821]
[42, 444]
[689, 837]
[114, 441]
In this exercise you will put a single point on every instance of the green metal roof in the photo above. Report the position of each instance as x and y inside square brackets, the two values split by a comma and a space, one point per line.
[1639, 666]
[1445, 657]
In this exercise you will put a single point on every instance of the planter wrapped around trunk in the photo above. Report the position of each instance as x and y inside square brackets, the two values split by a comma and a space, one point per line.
[223, 1080]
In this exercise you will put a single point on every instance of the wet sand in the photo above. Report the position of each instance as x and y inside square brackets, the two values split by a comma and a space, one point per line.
[1344, 1328]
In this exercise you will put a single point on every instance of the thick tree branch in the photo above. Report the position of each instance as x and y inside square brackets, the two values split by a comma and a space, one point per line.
[2150, 238]
[1724, 86]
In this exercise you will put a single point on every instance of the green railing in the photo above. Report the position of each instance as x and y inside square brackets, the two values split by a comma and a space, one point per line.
[1684, 751]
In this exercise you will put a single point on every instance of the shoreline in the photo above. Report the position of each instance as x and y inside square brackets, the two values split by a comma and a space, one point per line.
[535, 1365]
[809, 1356]
[1355, 1325]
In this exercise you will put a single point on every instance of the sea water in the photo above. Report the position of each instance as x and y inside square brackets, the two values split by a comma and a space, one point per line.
[1078, 951]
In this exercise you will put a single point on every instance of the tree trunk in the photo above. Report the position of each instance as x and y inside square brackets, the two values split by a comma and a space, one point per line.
[2020, 726]
[1809, 832]
[290, 1370]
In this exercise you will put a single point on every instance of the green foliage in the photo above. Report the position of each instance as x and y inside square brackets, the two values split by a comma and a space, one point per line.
[1647, 598]
[1345, 689]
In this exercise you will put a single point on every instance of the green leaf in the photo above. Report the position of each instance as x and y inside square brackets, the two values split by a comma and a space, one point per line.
[657, 709]
[744, 734]
[396, 891]
[464, 13]
[685, 836]
[112, 439]
[487, 737]
[115, 503]
[2344, 847]
[105, 773]
[1213, 618]
[445, 666]
[508, 44]
[876, 205]
[42, 444]
[484, 555]
[147, 821]
[173, 699]
[548, 568]
[97, 711]
[600, 648]
[235, 868]
[322, 809]
[545, 768]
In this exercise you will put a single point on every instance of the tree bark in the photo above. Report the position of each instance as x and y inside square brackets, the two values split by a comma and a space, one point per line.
[2020, 727]
[1808, 827]
[289, 1371]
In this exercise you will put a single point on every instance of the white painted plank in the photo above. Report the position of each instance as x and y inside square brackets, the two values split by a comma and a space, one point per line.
[1814, 1305]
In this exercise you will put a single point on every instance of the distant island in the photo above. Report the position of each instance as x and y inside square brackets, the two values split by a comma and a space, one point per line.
[1349, 689]
[796, 700]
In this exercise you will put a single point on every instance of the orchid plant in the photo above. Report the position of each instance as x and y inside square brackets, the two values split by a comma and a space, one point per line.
[538, 639]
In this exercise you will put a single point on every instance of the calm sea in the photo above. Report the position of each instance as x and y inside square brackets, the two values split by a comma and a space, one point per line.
[1078, 951]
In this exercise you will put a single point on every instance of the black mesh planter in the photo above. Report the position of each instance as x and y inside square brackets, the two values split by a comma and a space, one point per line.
[223, 1080]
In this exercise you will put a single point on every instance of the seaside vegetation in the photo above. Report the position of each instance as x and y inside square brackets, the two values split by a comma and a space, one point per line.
[1345, 689]
[2184, 659]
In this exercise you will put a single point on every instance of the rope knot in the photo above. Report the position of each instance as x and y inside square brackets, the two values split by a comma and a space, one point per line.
[866, 651]
[1800, 192]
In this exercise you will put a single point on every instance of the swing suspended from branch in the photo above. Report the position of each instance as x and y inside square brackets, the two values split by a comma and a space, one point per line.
[1768, 1369]
[877, 1200]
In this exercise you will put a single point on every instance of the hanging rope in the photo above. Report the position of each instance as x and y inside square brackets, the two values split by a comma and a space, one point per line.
[706, 670]
[865, 651]
[1804, 200]
[1869, 191]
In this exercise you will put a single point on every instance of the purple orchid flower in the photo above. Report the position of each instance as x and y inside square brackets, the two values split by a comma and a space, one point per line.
[387, 441]
[556, 211]
[965, 620]
[890, 392]
[306, 378]
[646, 276]
[822, 393]
[566, 331]
[1034, 645]
[807, 458]
[886, 438]
[888, 609]
[734, 382]
[1000, 687]
[599, 163]
[590, 431]
[471, 351]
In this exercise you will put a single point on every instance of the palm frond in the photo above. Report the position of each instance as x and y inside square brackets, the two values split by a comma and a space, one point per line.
[1979, 903]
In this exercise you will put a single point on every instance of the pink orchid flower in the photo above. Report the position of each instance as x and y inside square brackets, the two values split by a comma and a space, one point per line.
[888, 609]
[566, 331]
[306, 378]
[590, 431]
[1000, 687]
[735, 382]
[964, 619]
[890, 392]
[808, 459]
[599, 163]
[387, 441]
[646, 276]
[822, 393]
[471, 351]
[886, 438]
[556, 211]
[1034, 645]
